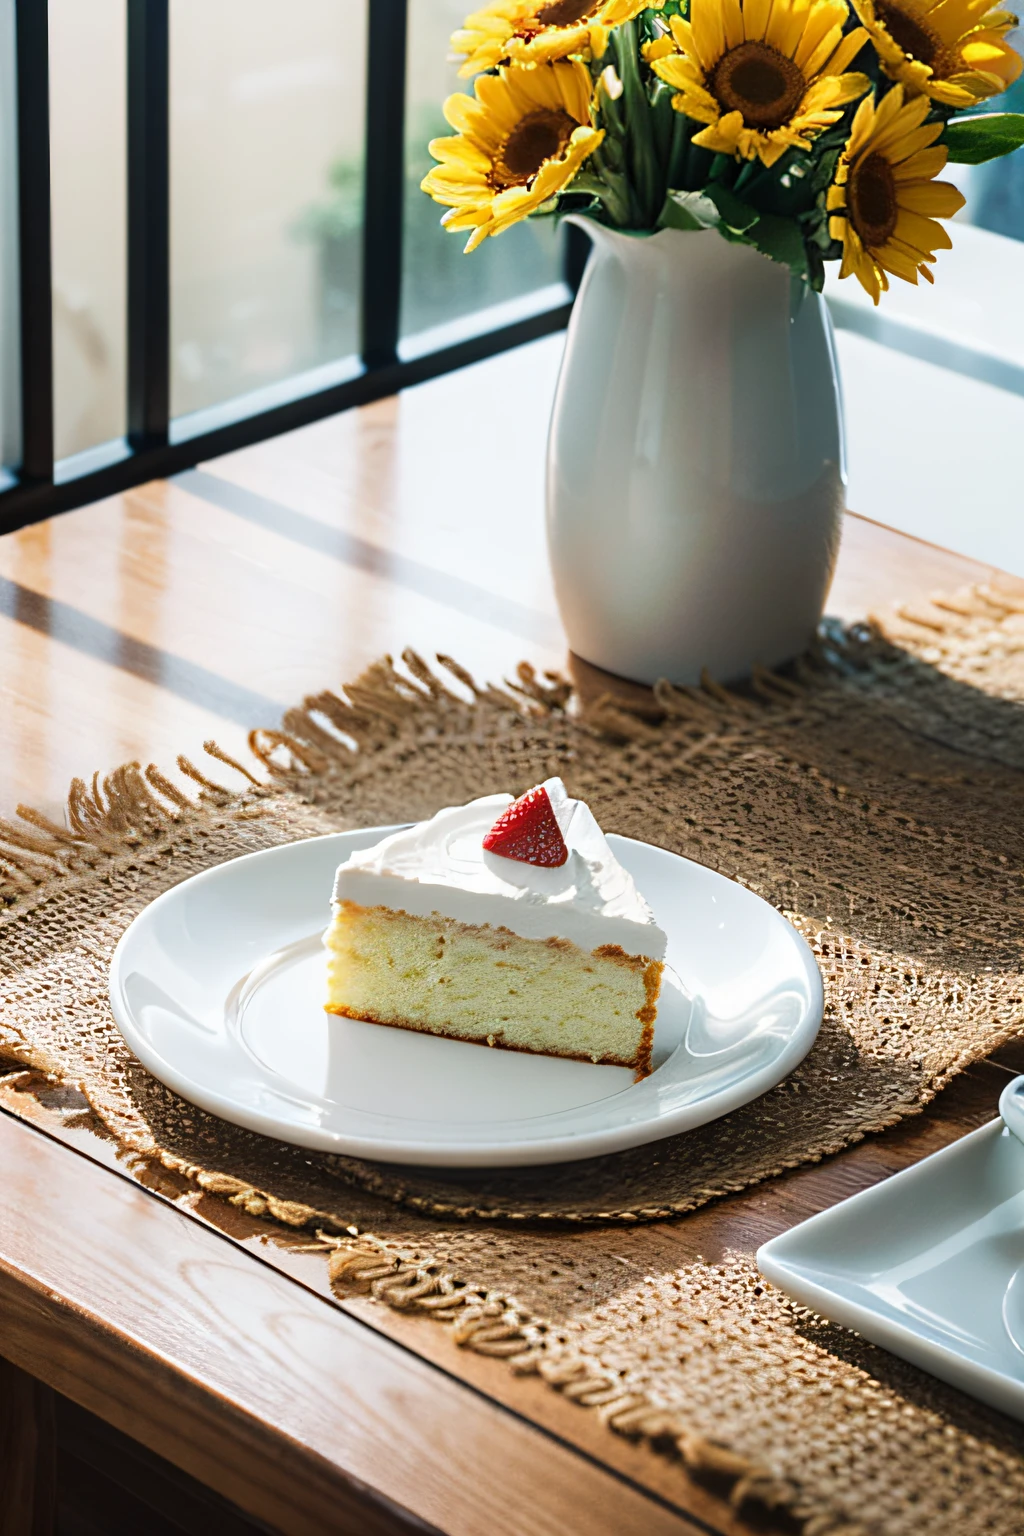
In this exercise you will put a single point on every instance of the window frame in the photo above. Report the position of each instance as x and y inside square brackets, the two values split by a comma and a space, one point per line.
[157, 445]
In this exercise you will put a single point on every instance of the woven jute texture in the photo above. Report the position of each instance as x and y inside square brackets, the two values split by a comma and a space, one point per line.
[873, 795]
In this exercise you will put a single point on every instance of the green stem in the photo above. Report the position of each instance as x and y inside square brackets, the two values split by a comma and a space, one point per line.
[620, 185]
[682, 132]
[602, 185]
[611, 114]
[747, 174]
[723, 169]
[643, 160]
[663, 118]
[699, 164]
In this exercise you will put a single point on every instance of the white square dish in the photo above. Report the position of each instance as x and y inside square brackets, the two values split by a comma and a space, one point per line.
[928, 1264]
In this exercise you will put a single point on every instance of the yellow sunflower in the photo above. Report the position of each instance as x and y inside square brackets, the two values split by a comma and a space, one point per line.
[531, 33]
[954, 51]
[519, 142]
[884, 200]
[764, 76]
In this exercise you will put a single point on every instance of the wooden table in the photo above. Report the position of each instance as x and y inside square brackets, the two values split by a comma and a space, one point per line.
[136, 629]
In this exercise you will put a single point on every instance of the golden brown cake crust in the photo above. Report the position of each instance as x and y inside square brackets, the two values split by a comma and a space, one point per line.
[647, 1015]
[618, 956]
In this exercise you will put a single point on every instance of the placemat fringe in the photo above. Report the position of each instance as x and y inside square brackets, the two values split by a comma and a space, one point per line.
[490, 1323]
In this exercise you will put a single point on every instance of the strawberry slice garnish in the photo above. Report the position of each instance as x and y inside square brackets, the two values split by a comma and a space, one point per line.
[528, 831]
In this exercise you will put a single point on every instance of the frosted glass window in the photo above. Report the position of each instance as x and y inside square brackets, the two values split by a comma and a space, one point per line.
[88, 180]
[440, 283]
[267, 107]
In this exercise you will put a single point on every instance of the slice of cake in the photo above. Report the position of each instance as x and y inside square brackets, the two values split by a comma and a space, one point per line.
[509, 923]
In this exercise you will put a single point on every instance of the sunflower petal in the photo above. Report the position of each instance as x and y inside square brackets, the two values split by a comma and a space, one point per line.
[922, 166]
[756, 14]
[847, 51]
[823, 19]
[919, 231]
[940, 199]
[732, 22]
[708, 31]
[790, 23]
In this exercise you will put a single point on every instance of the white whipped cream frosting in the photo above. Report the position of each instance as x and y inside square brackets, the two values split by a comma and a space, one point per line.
[441, 866]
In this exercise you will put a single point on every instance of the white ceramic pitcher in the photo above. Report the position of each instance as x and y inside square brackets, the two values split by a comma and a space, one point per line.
[696, 477]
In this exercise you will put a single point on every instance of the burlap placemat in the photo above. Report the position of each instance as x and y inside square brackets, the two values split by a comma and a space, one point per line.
[874, 796]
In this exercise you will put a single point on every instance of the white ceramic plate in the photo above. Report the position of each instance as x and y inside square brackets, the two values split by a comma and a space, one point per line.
[929, 1264]
[218, 988]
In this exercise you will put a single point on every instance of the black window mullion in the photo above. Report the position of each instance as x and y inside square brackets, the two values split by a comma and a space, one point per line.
[34, 240]
[149, 272]
[384, 185]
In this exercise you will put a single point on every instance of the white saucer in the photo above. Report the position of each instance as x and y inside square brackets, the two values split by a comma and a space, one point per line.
[218, 989]
[928, 1264]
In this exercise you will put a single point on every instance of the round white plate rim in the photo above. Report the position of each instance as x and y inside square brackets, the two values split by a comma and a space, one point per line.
[528, 1150]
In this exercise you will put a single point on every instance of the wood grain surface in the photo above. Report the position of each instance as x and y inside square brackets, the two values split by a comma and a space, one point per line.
[202, 607]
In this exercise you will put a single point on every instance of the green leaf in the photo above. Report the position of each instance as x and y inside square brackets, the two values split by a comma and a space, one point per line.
[973, 140]
[782, 240]
[824, 171]
[687, 210]
[735, 214]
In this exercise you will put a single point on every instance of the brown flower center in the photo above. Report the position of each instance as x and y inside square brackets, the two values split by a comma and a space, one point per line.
[762, 84]
[565, 13]
[871, 200]
[535, 139]
[916, 40]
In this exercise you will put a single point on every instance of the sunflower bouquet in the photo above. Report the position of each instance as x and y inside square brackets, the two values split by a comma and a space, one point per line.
[813, 130]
